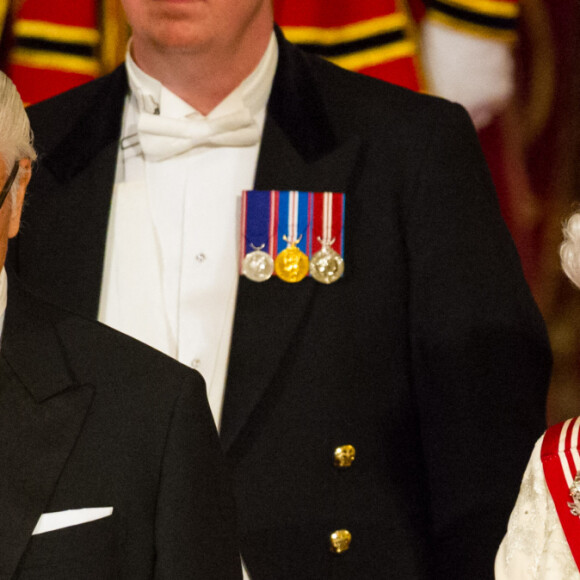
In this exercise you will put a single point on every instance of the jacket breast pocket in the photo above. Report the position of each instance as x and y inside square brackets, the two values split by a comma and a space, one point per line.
[90, 551]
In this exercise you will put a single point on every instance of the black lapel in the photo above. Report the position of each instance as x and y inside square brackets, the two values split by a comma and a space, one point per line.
[97, 127]
[81, 170]
[299, 152]
[42, 410]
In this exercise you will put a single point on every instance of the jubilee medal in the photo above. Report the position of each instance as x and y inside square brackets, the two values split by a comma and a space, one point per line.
[327, 263]
[291, 264]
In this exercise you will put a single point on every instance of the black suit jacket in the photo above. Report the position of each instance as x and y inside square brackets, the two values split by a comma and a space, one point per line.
[92, 418]
[429, 356]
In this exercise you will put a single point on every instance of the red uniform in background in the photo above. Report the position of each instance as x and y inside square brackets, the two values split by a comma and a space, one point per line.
[375, 37]
[51, 46]
[54, 46]
[379, 37]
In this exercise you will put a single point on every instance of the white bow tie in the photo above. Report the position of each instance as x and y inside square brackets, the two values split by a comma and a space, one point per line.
[164, 137]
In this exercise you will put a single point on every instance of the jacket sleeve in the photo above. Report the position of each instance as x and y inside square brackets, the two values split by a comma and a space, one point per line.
[481, 357]
[195, 530]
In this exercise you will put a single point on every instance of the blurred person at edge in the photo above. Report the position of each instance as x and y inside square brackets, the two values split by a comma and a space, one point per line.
[110, 464]
[543, 536]
[357, 416]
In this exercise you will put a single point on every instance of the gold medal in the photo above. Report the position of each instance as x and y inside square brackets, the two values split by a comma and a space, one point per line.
[291, 264]
[258, 266]
[326, 266]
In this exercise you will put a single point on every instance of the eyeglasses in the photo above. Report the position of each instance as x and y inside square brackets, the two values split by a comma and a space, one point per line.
[8, 184]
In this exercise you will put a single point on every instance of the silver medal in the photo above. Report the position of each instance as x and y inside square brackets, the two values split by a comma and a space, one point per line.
[258, 266]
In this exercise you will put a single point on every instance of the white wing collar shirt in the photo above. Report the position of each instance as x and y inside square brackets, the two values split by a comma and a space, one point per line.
[171, 273]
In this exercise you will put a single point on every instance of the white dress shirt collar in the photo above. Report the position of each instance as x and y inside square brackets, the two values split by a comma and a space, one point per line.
[253, 92]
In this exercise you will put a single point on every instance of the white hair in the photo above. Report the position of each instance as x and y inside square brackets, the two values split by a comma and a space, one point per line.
[15, 132]
[570, 248]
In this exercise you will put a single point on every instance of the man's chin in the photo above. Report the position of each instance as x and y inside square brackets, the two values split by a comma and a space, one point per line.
[176, 41]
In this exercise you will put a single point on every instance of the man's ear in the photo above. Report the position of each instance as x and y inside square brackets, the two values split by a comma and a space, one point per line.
[16, 202]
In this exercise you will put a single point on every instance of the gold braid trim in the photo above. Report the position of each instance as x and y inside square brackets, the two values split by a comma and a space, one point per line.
[115, 34]
[486, 7]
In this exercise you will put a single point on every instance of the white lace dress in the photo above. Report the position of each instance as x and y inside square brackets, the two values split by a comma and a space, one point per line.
[534, 547]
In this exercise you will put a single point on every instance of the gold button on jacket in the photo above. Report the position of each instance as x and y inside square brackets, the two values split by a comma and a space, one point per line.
[340, 541]
[344, 456]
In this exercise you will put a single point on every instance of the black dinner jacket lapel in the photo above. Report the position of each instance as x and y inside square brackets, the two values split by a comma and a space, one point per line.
[81, 170]
[42, 410]
[299, 151]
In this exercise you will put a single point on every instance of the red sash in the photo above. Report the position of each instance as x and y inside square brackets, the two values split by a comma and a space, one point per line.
[561, 462]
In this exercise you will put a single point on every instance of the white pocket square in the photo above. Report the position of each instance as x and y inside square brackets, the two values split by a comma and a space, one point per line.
[57, 520]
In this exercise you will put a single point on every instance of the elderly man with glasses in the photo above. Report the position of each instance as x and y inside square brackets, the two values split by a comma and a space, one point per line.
[110, 464]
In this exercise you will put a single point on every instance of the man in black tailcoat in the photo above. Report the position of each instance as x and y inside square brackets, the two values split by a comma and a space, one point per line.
[376, 426]
[110, 463]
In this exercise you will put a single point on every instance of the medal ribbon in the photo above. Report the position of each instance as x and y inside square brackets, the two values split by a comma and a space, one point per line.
[561, 461]
[312, 218]
[293, 220]
[274, 223]
[259, 221]
[328, 221]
